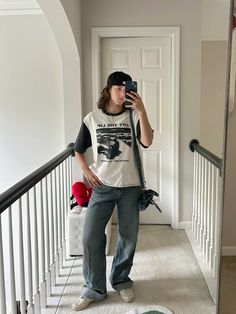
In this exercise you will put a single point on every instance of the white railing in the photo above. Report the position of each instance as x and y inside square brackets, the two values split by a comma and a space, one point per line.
[206, 216]
[32, 257]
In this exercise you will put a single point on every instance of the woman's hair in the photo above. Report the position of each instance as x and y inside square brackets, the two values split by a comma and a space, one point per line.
[104, 98]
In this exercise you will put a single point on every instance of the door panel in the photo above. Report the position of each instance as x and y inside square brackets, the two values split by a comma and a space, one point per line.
[148, 61]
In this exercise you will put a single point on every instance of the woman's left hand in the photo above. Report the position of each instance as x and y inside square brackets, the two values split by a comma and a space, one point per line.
[136, 102]
[146, 132]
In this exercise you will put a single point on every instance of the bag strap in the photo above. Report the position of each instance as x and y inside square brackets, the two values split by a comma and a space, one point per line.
[136, 152]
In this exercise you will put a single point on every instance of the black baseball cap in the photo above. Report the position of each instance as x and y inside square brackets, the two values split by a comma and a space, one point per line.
[118, 78]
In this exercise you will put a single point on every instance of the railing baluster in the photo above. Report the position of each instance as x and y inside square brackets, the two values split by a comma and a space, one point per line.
[205, 208]
[21, 262]
[214, 221]
[29, 256]
[196, 216]
[200, 201]
[2, 277]
[217, 218]
[194, 192]
[11, 263]
[36, 256]
[67, 197]
[56, 224]
[209, 222]
[43, 299]
[66, 202]
[212, 216]
[63, 210]
[198, 197]
[47, 241]
[59, 216]
[52, 238]
[68, 175]
[71, 166]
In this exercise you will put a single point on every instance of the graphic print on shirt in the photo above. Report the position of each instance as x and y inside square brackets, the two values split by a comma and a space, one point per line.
[110, 141]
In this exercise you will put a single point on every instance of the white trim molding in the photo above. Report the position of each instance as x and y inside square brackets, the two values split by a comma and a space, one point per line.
[26, 7]
[173, 32]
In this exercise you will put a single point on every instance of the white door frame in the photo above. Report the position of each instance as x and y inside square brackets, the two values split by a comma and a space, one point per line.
[174, 34]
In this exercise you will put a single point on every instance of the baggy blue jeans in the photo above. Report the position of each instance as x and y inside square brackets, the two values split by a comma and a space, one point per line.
[99, 211]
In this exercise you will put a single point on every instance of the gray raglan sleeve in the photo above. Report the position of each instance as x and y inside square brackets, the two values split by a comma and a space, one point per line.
[83, 141]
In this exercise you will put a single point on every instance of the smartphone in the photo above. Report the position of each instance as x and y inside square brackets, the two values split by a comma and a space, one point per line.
[130, 86]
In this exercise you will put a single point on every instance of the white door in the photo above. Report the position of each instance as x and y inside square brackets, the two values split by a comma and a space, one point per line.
[148, 61]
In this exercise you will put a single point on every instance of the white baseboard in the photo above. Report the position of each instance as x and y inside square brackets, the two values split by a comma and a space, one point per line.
[186, 225]
[229, 251]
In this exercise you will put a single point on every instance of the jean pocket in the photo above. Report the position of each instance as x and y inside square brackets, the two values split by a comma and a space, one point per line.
[102, 189]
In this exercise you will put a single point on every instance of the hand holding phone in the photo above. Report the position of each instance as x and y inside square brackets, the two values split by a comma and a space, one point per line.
[130, 86]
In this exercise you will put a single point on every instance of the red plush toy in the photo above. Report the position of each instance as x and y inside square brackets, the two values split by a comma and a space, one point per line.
[81, 194]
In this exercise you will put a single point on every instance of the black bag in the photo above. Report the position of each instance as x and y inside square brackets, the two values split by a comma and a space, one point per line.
[146, 198]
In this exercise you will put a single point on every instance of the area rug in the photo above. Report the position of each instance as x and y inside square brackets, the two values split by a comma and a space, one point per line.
[151, 309]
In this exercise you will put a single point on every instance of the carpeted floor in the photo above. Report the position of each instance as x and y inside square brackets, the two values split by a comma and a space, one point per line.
[165, 273]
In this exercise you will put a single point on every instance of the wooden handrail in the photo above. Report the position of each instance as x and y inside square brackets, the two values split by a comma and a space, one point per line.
[8, 197]
[215, 160]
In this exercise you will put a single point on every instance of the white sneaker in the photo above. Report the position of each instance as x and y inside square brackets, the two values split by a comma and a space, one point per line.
[127, 295]
[81, 304]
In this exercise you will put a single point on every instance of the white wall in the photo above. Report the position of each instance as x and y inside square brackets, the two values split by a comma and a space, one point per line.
[215, 19]
[31, 98]
[73, 11]
[187, 14]
[61, 25]
[73, 109]
[213, 100]
[64, 18]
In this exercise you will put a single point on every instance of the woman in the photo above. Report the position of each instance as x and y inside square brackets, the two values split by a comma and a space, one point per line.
[114, 179]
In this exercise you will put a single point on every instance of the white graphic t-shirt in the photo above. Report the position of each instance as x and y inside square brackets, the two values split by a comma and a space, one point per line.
[111, 140]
